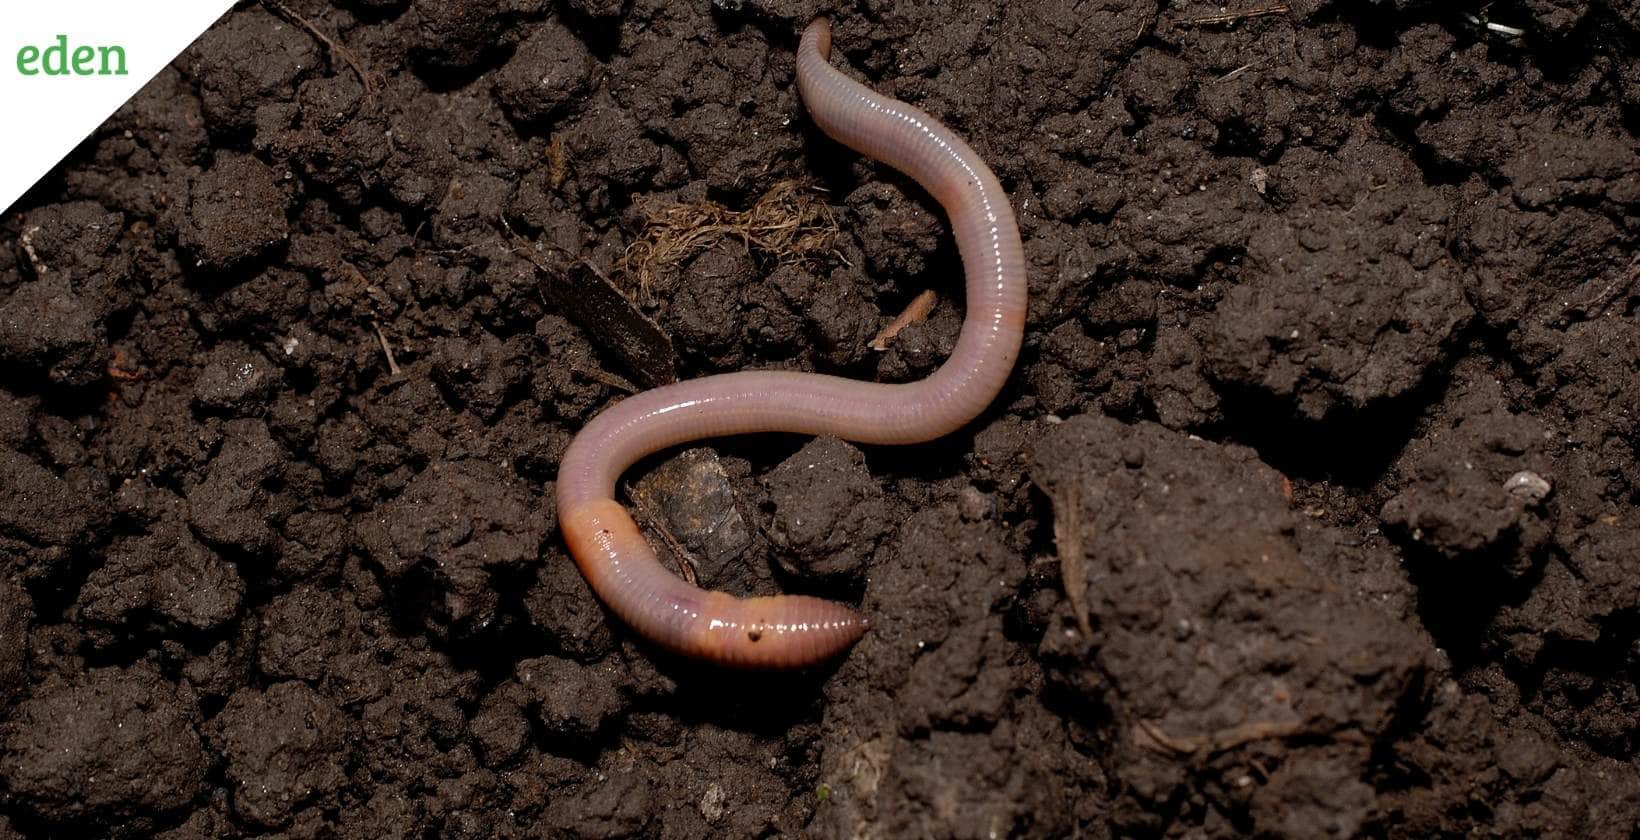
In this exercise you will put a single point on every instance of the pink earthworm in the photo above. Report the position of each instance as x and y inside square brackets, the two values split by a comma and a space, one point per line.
[791, 631]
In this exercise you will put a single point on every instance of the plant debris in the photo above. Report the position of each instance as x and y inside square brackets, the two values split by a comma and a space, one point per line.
[791, 223]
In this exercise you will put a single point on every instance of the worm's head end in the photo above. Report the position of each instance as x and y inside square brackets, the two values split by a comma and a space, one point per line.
[819, 31]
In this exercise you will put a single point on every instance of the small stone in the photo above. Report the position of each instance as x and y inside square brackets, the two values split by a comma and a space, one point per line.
[712, 803]
[1527, 486]
[973, 504]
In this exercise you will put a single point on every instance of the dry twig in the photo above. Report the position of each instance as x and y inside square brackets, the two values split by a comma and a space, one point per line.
[392, 366]
[1067, 538]
[1232, 17]
[915, 312]
[335, 48]
[1218, 742]
[653, 518]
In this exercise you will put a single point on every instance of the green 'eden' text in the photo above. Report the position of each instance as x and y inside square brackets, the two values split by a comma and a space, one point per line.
[57, 60]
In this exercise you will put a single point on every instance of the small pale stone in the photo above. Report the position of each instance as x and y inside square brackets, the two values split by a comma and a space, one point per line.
[973, 504]
[1527, 486]
[712, 803]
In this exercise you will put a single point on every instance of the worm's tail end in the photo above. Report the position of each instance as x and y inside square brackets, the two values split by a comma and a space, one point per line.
[782, 632]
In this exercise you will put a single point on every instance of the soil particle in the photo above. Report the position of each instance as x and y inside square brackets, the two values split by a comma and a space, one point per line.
[706, 306]
[1295, 329]
[1461, 496]
[1516, 770]
[570, 700]
[480, 375]
[285, 751]
[910, 231]
[167, 575]
[16, 615]
[1187, 546]
[16, 420]
[235, 379]
[148, 144]
[562, 605]
[452, 35]
[339, 137]
[48, 516]
[51, 331]
[547, 76]
[80, 242]
[250, 60]
[500, 727]
[978, 754]
[918, 350]
[236, 506]
[829, 514]
[839, 317]
[233, 212]
[302, 632]
[1571, 251]
[483, 525]
[434, 138]
[119, 744]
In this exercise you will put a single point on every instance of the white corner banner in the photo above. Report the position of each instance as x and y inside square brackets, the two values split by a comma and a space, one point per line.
[68, 65]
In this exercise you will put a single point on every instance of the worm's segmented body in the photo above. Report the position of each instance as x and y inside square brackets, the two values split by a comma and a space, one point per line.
[786, 631]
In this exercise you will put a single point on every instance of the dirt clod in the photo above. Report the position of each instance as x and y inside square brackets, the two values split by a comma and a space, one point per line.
[119, 744]
[234, 211]
[282, 750]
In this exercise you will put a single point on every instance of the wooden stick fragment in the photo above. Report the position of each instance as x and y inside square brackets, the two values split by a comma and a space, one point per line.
[915, 313]
[335, 48]
[1232, 17]
[1067, 538]
[392, 366]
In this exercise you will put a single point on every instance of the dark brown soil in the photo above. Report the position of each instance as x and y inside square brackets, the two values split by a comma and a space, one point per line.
[1312, 510]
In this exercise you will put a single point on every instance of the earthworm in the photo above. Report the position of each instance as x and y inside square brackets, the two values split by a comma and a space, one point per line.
[790, 631]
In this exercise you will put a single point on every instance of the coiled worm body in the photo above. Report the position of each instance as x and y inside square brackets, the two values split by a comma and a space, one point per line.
[787, 631]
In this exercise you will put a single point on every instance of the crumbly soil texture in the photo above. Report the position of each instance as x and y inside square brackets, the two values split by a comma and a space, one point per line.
[1312, 508]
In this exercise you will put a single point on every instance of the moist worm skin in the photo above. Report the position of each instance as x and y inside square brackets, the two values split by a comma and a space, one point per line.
[790, 631]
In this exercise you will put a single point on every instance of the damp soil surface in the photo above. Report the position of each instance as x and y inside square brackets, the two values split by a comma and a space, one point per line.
[1312, 509]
